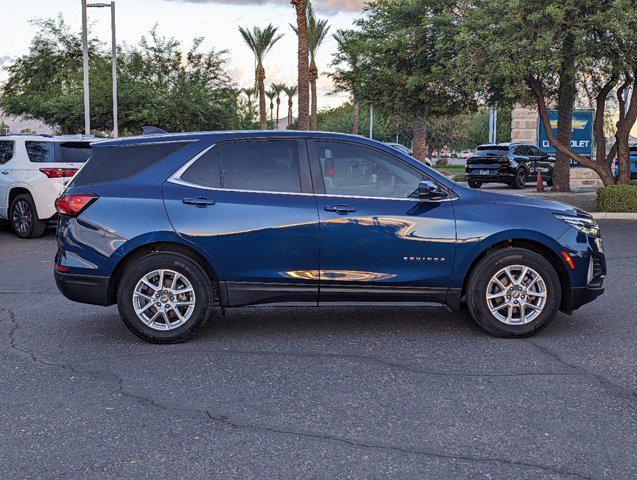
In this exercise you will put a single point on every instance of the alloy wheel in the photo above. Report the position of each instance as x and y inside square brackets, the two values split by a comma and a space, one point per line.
[164, 299]
[21, 217]
[516, 295]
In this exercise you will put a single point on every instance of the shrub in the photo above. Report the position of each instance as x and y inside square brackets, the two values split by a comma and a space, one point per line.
[617, 198]
[441, 162]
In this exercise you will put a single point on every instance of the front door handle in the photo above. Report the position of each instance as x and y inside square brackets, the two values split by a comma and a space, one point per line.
[5, 172]
[341, 209]
[200, 202]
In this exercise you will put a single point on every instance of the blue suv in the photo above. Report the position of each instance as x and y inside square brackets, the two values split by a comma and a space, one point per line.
[172, 227]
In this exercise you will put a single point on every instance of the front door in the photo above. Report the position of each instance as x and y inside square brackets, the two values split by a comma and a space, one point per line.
[378, 242]
[249, 206]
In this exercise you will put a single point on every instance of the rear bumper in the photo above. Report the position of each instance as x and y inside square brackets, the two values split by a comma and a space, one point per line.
[83, 288]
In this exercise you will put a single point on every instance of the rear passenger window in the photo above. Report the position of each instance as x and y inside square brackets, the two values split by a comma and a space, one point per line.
[111, 163]
[271, 166]
[6, 151]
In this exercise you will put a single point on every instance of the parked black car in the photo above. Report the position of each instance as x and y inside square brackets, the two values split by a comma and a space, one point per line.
[510, 163]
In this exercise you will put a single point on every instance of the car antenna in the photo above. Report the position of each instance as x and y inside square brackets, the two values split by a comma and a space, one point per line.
[149, 130]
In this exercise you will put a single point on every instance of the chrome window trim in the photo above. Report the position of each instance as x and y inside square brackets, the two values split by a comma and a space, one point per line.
[176, 179]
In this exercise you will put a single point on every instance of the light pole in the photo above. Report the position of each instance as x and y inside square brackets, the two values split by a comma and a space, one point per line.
[87, 102]
[493, 123]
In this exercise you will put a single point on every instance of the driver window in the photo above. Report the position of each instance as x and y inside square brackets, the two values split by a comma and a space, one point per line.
[360, 171]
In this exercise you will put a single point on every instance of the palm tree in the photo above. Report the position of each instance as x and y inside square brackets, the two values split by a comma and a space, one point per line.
[317, 33]
[290, 92]
[271, 94]
[260, 42]
[279, 88]
[300, 7]
[347, 66]
[249, 93]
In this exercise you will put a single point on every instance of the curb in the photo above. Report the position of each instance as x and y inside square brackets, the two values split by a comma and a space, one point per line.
[614, 216]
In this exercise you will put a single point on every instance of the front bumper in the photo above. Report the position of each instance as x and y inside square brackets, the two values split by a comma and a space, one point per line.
[83, 288]
[582, 296]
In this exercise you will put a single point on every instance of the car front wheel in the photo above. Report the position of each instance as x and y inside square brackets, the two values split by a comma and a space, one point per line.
[513, 292]
[475, 183]
[164, 298]
[23, 217]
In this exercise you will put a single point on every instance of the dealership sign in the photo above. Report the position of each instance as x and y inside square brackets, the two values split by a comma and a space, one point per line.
[582, 141]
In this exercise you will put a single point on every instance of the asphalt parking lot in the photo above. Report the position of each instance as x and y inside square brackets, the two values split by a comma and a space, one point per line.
[301, 393]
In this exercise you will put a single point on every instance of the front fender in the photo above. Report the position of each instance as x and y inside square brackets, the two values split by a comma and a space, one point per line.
[470, 249]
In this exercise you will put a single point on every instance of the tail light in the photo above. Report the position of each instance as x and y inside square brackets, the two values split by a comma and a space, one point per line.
[59, 172]
[73, 205]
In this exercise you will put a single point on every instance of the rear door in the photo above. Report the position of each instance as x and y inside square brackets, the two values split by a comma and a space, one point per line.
[249, 205]
[378, 242]
[7, 152]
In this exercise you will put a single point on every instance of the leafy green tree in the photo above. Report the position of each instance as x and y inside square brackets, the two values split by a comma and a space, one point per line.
[405, 49]
[536, 52]
[260, 41]
[159, 84]
[347, 73]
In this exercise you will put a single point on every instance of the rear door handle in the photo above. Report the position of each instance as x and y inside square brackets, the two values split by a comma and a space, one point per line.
[200, 202]
[5, 172]
[341, 209]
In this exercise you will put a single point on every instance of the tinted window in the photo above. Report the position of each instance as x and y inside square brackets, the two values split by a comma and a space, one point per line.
[360, 171]
[271, 166]
[6, 151]
[538, 151]
[111, 163]
[497, 150]
[58, 152]
[205, 170]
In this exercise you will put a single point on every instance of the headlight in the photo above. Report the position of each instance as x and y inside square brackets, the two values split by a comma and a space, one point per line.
[586, 225]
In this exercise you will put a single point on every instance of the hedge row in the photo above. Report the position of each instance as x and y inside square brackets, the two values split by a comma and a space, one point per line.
[617, 198]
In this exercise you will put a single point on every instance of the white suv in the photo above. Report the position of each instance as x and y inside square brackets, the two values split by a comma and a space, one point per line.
[33, 171]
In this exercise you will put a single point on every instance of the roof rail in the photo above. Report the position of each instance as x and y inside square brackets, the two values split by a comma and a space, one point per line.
[47, 135]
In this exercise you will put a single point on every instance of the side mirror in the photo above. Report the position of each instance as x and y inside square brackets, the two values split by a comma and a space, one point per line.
[430, 191]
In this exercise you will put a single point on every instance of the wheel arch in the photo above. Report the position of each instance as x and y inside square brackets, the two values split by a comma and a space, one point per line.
[534, 246]
[14, 191]
[165, 247]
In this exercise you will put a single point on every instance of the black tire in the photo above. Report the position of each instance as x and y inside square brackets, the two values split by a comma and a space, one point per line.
[475, 183]
[549, 181]
[520, 179]
[23, 217]
[489, 266]
[181, 264]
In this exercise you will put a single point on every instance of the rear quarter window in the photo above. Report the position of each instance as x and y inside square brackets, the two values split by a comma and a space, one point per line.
[6, 151]
[112, 163]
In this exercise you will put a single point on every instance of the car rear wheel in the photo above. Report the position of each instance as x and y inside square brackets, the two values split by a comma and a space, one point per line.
[520, 179]
[164, 298]
[475, 183]
[23, 217]
[513, 292]
[549, 181]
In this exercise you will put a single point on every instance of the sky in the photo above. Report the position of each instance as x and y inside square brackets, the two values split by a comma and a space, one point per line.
[215, 20]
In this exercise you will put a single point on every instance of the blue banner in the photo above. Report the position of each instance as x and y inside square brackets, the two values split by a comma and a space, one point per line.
[582, 141]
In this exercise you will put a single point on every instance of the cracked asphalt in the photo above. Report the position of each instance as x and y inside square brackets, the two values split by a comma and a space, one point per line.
[302, 393]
